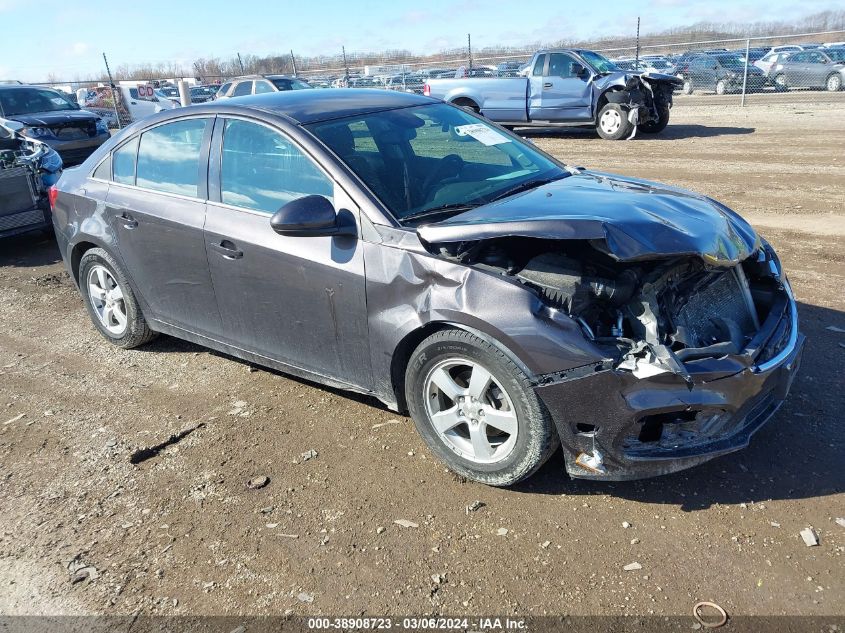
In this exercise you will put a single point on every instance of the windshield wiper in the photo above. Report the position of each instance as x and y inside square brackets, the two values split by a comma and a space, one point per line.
[525, 186]
[444, 209]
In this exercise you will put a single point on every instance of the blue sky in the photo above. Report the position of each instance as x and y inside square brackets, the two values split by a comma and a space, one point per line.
[67, 37]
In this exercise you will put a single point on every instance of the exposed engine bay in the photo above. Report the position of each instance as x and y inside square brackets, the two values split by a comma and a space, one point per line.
[649, 316]
[28, 168]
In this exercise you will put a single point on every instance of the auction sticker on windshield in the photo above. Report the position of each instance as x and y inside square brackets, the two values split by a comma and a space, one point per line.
[482, 133]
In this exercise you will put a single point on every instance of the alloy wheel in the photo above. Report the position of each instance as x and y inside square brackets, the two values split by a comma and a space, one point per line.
[107, 300]
[470, 411]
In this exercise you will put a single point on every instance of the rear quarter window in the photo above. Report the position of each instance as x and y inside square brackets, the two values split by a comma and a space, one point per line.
[123, 163]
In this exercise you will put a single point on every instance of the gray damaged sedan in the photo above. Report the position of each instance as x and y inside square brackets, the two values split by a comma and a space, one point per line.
[405, 248]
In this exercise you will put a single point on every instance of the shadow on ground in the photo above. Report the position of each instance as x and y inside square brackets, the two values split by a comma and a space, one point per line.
[29, 250]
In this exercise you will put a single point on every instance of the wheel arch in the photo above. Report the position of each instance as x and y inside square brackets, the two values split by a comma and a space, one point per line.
[463, 101]
[78, 249]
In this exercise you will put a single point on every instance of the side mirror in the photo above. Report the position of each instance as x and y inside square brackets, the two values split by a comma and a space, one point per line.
[311, 216]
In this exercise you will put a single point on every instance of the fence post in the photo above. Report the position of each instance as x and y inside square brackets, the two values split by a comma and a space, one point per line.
[113, 95]
[293, 62]
[469, 50]
[745, 75]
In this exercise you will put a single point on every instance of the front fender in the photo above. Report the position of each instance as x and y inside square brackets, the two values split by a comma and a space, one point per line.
[408, 290]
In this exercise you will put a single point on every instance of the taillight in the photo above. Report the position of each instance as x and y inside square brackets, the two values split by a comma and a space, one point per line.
[427, 90]
[52, 195]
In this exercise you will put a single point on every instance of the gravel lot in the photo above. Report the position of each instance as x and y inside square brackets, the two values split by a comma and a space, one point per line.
[181, 533]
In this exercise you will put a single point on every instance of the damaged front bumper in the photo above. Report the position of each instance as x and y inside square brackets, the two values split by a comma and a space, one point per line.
[615, 426]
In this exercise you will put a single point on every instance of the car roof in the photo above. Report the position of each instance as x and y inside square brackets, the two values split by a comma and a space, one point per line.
[310, 106]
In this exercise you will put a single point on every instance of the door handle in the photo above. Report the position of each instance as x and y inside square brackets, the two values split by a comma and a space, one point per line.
[227, 249]
[128, 221]
[548, 84]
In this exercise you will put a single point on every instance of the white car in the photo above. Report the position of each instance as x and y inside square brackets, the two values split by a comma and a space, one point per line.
[769, 60]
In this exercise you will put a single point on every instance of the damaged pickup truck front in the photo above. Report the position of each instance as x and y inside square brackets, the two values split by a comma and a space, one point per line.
[564, 88]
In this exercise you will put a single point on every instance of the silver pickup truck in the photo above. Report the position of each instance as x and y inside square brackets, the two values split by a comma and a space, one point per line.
[570, 87]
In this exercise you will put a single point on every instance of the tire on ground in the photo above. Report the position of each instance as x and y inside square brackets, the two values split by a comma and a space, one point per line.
[621, 128]
[687, 88]
[137, 331]
[537, 438]
[721, 87]
[833, 83]
[653, 127]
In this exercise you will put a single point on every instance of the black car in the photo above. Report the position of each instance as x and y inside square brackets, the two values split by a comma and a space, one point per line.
[201, 94]
[50, 117]
[721, 73]
[395, 245]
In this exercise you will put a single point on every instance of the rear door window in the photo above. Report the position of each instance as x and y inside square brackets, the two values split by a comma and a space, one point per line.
[123, 163]
[262, 170]
[243, 88]
[262, 87]
[169, 157]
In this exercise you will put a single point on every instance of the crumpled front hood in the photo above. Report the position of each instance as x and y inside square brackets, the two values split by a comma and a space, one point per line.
[636, 219]
[47, 119]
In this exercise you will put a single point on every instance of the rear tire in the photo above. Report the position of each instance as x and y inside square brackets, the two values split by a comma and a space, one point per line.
[111, 304]
[653, 127]
[612, 123]
[467, 104]
[834, 83]
[687, 87]
[476, 409]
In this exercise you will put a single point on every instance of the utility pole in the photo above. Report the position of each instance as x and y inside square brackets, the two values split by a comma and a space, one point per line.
[637, 56]
[346, 66]
[113, 95]
[293, 62]
[469, 49]
[240, 63]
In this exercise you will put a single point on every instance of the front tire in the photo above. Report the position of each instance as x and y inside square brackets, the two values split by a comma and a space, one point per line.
[687, 88]
[612, 123]
[111, 304]
[476, 409]
[780, 83]
[721, 87]
[834, 83]
[653, 127]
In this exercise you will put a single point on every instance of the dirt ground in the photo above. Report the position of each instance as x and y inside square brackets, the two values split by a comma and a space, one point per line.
[180, 533]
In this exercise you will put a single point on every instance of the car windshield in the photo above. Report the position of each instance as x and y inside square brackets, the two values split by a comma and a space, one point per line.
[28, 100]
[599, 62]
[434, 159]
